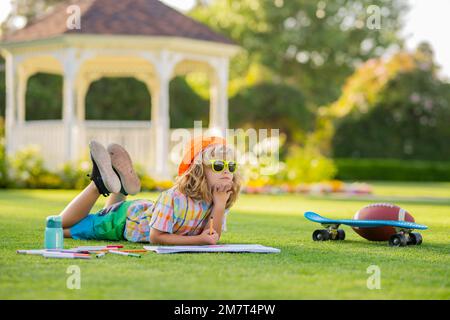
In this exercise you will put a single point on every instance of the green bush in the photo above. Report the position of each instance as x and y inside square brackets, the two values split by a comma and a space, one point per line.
[307, 164]
[147, 182]
[392, 170]
[303, 164]
[27, 170]
[73, 175]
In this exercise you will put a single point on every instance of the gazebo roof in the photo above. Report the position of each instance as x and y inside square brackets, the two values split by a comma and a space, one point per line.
[125, 17]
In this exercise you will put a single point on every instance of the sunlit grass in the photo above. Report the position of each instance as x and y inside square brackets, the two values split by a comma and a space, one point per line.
[303, 270]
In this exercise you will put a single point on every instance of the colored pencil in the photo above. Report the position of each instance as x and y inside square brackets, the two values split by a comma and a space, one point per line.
[125, 253]
[59, 255]
[97, 248]
[32, 252]
[211, 225]
[100, 255]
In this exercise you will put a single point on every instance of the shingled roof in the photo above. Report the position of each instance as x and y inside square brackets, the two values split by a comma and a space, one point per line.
[124, 17]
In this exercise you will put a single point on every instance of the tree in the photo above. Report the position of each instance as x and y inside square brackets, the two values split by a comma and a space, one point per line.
[268, 105]
[44, 97]
[24, 12]
[407, 118]
[313, 45]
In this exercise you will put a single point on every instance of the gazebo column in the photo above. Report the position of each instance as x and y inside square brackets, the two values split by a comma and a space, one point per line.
[69, 101]
[21, 95]
[82, 87]
[11, 103]
[160, 127]
[218, 113]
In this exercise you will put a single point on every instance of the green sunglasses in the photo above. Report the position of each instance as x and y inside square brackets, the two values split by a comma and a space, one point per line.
[220, 165]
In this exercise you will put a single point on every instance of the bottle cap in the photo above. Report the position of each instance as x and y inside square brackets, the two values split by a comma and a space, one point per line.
[54, 222]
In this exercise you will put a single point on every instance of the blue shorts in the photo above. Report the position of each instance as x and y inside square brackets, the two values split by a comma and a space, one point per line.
[106, 224]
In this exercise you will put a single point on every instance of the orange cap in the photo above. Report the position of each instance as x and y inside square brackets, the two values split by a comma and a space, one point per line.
[194, 147]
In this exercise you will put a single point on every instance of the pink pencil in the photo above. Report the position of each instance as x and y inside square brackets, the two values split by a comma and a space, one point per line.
[59, 255]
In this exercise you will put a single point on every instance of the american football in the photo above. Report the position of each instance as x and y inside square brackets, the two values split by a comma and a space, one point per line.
[380, 211]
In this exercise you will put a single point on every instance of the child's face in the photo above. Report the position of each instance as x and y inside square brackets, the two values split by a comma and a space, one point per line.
[215, 178]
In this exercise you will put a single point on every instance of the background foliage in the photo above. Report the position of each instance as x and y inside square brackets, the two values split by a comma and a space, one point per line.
[405, 118]
[335, 87]
[313, 45]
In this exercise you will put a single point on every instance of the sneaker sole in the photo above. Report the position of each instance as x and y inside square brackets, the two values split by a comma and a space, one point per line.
[103, 161]
[121, 161]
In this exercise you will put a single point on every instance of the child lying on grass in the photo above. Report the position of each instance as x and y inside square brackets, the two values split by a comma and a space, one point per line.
[207, 186]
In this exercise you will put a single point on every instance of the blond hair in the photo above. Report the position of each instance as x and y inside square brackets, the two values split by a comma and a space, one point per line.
[193, 181]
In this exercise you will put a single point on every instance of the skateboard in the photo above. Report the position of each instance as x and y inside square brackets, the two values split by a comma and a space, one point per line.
[403, 237]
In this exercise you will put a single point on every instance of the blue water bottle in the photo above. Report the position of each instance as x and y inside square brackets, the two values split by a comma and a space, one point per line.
[54, 233]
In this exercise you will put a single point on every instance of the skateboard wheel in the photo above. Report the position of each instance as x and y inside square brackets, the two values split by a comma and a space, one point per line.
[340, 234]
[415, 238]
[321, 235]
[398, 240]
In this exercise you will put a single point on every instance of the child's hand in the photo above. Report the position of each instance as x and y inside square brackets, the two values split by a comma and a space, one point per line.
[221, 192]
[206, 238]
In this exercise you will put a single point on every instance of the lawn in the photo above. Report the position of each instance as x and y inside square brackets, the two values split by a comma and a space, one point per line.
[303, 270]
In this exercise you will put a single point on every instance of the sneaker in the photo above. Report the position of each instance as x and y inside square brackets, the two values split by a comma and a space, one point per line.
[123, 166]
[102, 174]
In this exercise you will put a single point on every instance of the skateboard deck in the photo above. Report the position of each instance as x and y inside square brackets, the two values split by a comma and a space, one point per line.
[312, 216]
[403, 236]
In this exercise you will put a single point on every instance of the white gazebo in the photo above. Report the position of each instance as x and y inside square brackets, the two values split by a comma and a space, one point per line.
[129, 38]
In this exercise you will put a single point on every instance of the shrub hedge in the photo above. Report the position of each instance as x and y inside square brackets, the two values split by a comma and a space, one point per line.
[392, 170]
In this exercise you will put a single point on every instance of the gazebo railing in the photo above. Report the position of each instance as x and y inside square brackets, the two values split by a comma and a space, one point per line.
[47, 135]
[134, 135]
[50, 137]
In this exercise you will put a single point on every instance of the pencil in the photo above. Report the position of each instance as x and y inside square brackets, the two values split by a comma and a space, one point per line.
[60, 255]
[211, 225]
[100, 255]
[126, 250]
[125, 253]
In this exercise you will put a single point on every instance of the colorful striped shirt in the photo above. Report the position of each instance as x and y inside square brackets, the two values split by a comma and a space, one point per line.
[172, 212]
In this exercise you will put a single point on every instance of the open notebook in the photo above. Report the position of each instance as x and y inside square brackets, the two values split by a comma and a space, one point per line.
[249, 248]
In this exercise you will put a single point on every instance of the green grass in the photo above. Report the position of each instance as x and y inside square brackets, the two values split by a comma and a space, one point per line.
[419, 189]
[303, 270]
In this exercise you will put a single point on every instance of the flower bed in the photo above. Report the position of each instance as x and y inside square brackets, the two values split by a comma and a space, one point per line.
[328, 187]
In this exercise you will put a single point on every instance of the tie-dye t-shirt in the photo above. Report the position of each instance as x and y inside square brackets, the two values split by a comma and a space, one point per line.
[172, 212]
